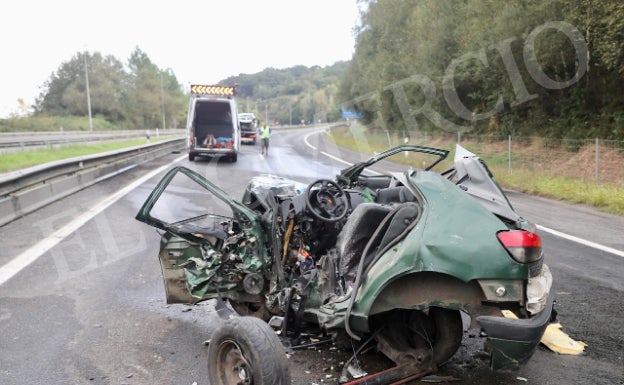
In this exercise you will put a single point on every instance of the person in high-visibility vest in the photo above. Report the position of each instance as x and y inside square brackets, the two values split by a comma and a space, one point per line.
[265, 134]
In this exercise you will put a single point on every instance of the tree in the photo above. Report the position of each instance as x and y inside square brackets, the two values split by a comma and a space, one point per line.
[174, 100]
[144, 90]
[134, 99]
[65, 93]
[461, 52]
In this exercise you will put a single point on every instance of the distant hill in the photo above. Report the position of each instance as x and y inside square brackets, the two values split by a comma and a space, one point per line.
[293, 94]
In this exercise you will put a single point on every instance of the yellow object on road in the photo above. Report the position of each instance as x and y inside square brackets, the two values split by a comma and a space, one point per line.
[555, 339]
[558, 341]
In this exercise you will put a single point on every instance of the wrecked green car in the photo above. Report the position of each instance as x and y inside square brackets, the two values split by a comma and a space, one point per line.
[394, 257]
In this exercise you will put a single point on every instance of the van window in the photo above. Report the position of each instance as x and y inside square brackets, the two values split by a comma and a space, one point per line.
[213, 112]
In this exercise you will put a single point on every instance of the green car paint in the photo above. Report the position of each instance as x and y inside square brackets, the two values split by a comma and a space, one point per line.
[447, 257]
[445, 240]
[198, 260]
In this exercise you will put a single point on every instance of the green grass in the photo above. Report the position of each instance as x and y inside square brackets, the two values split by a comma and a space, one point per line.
[56, 123]
[606, 197]
[18, 160]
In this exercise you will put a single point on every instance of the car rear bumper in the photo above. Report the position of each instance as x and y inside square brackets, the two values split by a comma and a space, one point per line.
[248, 138]
[212, 151]
[513, 341]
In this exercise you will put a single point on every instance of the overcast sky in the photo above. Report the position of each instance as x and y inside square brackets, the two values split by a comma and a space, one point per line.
[202, 41]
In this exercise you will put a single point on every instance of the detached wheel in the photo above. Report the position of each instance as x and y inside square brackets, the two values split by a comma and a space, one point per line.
[246, 350]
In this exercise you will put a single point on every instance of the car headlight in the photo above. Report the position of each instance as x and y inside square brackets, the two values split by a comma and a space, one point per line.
[538, 289]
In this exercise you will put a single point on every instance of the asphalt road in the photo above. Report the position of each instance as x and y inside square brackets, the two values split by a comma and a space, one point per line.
[90, 308]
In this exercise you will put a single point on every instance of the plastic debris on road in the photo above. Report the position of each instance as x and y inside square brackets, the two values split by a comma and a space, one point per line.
[555, 339]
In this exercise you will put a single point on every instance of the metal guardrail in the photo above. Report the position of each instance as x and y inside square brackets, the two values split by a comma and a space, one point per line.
[24, 191]
[25, 140]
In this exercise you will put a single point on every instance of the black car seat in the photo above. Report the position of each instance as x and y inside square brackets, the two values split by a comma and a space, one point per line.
[356, 233]
[371, 229]
[399, 194]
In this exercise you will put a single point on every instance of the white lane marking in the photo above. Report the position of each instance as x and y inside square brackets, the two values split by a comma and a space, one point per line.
[305, 140]
[582, 241]
[330, 155]
[569, 237]
[336, 158]
[314, 148]
[30, 255]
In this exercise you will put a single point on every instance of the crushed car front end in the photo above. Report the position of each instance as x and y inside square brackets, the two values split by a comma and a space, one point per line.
[212, 245]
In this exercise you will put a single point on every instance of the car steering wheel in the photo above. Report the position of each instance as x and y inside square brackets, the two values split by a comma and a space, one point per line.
[330, 202]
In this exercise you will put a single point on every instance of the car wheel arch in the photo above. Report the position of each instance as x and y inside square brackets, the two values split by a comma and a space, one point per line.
[422, 290]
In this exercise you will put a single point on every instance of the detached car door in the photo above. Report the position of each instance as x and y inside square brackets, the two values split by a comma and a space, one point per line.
[209, 239]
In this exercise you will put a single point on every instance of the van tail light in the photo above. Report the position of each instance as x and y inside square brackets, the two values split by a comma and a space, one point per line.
[523, 246]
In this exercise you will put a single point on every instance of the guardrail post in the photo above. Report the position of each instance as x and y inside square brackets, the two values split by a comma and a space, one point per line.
[597, 160]
[509, 152]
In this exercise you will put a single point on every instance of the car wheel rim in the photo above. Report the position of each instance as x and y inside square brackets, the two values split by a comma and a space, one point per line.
[232, 367]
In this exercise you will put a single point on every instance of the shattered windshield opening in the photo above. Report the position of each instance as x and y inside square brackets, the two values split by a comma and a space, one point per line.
[395, 160]
[188, 207]
[405, 160]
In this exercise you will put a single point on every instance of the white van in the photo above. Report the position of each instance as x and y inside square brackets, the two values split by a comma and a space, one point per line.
[212, 122]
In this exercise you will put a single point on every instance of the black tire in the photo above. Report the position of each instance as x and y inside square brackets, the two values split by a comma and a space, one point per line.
[405, 333]
[191, 157]
[245, 350]
[234, 158]
[442, 330]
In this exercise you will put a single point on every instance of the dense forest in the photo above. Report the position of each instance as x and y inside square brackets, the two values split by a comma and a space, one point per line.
[551, 68]
[525, 67]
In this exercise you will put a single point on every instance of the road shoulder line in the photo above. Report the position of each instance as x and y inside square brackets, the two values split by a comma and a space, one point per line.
[17, 264]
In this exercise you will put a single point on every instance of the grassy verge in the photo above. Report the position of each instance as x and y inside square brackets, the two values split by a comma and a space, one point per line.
[607, 197]
[18, 160]
[56, 123]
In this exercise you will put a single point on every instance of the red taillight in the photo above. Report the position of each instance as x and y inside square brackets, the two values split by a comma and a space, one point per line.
[523, 246]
